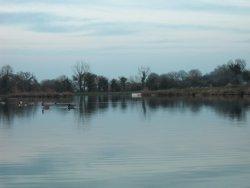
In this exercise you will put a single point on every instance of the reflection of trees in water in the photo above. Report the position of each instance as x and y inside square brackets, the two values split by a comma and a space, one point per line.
[91, 104]
[10, 111]
[124, 103]
[114, 101]
[103, 102]
[88, 106]
[233, 108]
[230, 108]
[144, 108]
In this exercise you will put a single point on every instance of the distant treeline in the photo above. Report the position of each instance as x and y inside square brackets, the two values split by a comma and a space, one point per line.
[83, 80]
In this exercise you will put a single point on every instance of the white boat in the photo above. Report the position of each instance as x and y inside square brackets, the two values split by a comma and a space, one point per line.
[136, 95]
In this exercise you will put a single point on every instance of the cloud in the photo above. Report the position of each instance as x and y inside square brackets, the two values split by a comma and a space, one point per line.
[228, 6]
[53, 23]
[26, 18]
[49, 23]
[40, 22]
[145, 26]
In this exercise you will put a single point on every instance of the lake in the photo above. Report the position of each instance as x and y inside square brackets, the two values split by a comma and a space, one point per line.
[111, 142]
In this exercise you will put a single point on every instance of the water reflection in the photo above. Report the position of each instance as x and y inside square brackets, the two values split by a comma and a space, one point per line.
[10, 111]
[88, 106]
[112, 141]
[233, 108]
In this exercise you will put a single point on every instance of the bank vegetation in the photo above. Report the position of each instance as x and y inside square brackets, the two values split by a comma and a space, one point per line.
[232, 78]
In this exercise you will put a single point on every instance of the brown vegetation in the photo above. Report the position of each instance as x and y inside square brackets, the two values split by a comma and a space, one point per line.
[205, 91]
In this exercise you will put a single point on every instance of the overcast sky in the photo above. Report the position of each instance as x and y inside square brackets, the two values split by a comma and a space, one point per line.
[47, 37]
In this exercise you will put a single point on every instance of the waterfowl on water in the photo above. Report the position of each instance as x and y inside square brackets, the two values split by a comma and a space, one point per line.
[20, 104]
[46, 106]
[71, 106]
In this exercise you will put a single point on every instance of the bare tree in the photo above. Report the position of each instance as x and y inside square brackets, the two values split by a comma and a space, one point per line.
[6, 70]
[81, 69]
[237, 66]
[123, 81]
[143, 74]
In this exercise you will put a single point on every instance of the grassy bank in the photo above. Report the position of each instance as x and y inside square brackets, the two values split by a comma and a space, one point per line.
[238, 91]
[38, 95]
[61, 95]
[208, 91]
[123, 93]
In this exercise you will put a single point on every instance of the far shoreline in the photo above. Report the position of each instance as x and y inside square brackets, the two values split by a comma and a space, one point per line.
[226, 91]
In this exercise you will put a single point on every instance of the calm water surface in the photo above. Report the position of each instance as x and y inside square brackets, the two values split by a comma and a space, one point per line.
[111, 142]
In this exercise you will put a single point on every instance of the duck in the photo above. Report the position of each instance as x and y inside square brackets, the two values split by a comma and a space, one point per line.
[71, 106]
[45, 106]
[20, 104]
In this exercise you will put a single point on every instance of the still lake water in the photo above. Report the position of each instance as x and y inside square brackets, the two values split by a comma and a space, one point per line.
[111, 142]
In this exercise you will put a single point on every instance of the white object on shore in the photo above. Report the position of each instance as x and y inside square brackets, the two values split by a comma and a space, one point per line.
[2, 102]
[136, 95]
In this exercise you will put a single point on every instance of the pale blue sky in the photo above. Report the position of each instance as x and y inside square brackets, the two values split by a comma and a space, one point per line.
[116, 36]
